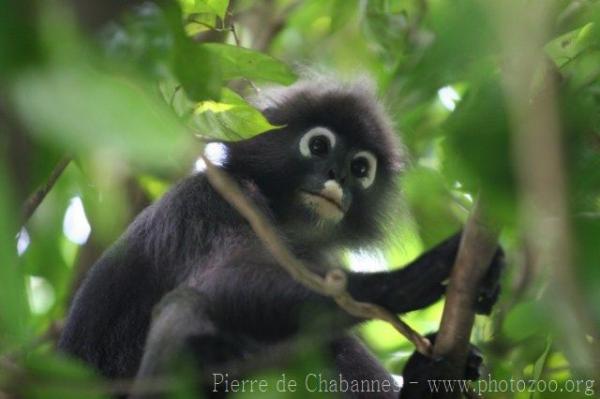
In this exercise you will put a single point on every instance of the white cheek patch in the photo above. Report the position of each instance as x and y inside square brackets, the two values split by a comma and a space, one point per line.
[216, 153]
[317, 131]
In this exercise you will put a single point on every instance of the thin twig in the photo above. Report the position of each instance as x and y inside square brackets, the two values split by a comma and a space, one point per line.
[334, 283]
[238, 43]
[234, 32]
[177, 89]
[35, 199]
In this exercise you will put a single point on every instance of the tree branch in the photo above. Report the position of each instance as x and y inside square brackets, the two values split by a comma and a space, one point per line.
[36, 198]
[477, 247]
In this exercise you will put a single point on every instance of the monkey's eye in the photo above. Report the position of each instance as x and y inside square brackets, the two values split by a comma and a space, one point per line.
[360, 167]
[317, 142]
[318, 145]
[364, 167]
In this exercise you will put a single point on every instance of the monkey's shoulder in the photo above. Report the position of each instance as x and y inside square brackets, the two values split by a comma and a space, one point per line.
[189, 222]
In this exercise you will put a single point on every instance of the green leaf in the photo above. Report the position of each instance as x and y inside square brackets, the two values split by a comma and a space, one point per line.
[341, 12]
[232, 117]
[196, 23]
[461, 41]
[61, 378]
[238, 62]
[477, 147]
[14, 312]
[197, 70]
[50, 255]
[565, 48]
[431, 204]
[216, 7]
[219, 7]
[144, 41]
[386, 28]
[525, 320]
[19, 36]
[540, 364]
[84, 110]
[193, 65]
[153, 186]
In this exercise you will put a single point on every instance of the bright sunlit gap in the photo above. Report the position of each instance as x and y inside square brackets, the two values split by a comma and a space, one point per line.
[40, 294]
[367, 261]
[215, 152]
[448, 97]
[23, 241]
[75, 224]
[467, 196]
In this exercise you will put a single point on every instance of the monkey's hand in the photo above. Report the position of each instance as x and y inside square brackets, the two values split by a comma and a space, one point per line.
[424, 375]
[489, 289]
[424, 281]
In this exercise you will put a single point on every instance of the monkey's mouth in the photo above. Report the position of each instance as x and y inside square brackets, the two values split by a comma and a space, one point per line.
[324, 205]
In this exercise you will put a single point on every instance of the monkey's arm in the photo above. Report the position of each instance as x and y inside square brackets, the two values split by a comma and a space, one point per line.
[423, 281]
[253, 295]
[415, 286]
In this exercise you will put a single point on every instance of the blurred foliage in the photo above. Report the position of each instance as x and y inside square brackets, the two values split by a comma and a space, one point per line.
[125, 103]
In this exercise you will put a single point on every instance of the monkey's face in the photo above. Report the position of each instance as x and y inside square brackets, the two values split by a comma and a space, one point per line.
[328, 171]
[334, 174]
[322, 187]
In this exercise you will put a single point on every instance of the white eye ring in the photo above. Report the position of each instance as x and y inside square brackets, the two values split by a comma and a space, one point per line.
[368, 180]
[316, 131]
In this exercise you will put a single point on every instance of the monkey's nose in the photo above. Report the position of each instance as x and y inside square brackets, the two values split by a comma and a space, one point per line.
[333, 192]
[335, 176]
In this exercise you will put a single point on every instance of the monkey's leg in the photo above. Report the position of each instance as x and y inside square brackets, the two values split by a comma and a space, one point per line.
[181, 327]
[360, 369]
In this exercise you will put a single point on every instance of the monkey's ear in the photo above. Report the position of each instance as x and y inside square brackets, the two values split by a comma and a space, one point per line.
[399, 155]
[399, 165]
[273, 114]
[269, 112]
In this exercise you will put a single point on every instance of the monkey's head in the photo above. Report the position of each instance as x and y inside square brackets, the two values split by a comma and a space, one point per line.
[329, 168]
